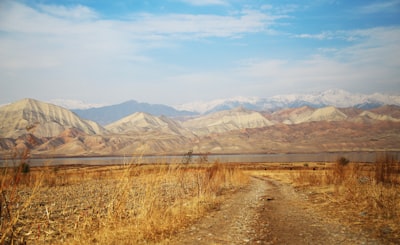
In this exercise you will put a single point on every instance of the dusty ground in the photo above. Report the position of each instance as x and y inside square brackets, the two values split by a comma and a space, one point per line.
[269, 212]
[232, 223]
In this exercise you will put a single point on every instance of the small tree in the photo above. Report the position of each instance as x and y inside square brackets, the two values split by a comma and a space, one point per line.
[342, 161]
[187, 158]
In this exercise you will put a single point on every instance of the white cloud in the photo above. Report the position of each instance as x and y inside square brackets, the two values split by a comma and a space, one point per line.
[77, 12]
[205, 2]
[370, 63]
[72, 49]
[381, 6]
[349, 36]
[61, 20]
[58, 35]
[319, 36]
[187, 25]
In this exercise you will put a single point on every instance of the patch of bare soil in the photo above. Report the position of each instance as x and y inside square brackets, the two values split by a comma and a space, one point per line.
[269, 212]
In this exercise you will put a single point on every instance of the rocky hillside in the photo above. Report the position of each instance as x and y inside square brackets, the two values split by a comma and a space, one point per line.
[225, 121]
[141, 122]
[41, 119]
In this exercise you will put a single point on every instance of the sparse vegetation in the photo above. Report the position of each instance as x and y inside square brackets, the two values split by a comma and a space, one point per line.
[364, 194]
[187, 158]
[140, 203]
[125, 204]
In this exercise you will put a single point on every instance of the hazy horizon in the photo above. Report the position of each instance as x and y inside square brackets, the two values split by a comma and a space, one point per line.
[179, 51]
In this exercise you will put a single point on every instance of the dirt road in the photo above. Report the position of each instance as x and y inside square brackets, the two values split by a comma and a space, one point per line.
[268, 212]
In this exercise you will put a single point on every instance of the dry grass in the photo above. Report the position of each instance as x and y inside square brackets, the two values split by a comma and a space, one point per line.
[364, 195]
[125, 204]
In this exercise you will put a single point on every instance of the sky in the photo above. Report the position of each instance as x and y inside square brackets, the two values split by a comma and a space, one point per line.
[179, 51]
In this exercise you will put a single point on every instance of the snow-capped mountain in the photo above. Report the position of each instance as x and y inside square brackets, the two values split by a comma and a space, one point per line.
[74, 104]
[333, 97]
[220, 104]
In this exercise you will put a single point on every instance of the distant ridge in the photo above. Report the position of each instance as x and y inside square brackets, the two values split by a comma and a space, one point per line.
[50, 130]
[334, 97]
[108, 114]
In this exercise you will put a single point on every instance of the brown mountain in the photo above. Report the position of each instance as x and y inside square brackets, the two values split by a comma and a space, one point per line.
[389, 110]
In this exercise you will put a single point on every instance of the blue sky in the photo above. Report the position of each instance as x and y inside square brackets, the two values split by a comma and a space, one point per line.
[178, 51]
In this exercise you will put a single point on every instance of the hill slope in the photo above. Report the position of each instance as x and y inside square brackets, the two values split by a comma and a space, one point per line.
[225, 121]
[141, 122]
[41, 119]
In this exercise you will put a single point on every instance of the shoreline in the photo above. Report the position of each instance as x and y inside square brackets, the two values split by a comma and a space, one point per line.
[195, 154]
[250, 158]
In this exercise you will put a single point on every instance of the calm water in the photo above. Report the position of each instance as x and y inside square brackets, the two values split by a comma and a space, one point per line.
[236, 158]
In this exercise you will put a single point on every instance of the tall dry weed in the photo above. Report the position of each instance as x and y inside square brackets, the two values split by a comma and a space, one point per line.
[12, 206]
[387, 170]
[166, 201]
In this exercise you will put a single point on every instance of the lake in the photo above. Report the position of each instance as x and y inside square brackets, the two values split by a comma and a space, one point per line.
[226, 158]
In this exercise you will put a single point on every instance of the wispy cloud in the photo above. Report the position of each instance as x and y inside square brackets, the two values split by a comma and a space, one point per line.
[16, 17]
[343, 35]
[370, 64]
[54, 34]
[318, 36]
[78, 12]
[367, 65]
[205, 2]
[381, 7]
[80, 50]
[247, 21]
[74, 45]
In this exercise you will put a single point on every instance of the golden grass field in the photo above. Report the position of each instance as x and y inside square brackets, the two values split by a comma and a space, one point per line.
[133, 203]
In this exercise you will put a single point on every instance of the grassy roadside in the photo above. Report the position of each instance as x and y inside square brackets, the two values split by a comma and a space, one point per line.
[123, 204]
[364, 197]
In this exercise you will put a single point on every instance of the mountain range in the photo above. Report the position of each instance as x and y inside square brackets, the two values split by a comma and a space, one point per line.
[333, 97]
[49, 130]
[338, 98]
